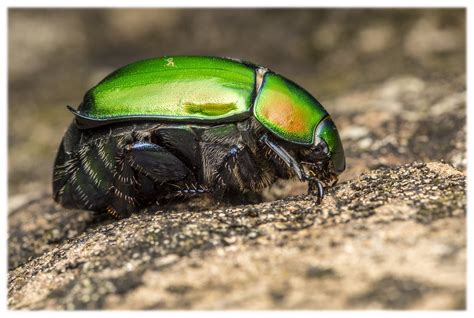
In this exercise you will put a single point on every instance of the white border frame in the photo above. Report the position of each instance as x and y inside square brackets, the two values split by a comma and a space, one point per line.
[241, 3]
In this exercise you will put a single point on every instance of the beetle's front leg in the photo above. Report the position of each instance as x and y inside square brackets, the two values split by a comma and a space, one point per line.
[315, 187]
[285, 156]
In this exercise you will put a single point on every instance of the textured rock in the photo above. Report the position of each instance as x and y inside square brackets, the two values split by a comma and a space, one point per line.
[383, 240]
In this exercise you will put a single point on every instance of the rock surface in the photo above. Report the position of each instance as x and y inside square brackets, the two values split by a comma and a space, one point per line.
[392, 238]
[390, 235]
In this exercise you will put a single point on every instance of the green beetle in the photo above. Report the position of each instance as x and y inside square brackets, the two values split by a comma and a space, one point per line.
[183, 125]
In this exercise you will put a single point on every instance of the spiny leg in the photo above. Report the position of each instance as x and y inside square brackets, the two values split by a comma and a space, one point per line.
[187, 191]
[230, 159]
[156, 167]
[224, 171]
[123, 189]
[313, 182]
[239, 171]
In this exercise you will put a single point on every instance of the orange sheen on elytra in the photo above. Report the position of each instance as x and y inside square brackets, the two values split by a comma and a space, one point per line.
[280, 111]
[288, 110]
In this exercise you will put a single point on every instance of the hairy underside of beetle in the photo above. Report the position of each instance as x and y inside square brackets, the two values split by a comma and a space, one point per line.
[121, 168]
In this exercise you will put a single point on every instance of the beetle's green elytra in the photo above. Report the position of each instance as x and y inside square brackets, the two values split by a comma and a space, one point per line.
[287, 110]
[177, 88]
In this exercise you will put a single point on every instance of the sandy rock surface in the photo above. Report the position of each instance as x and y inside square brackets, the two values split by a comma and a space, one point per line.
[392, 238]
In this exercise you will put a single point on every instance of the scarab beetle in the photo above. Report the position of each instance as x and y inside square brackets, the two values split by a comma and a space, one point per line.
[183, 125]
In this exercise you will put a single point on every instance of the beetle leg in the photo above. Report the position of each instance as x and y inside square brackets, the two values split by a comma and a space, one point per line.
[286, 157]
[189, 190]
[224, 170]
[157, 163]
[156, 167]
[238, 170]
[123, 190]
[315, 183]
[230, 158]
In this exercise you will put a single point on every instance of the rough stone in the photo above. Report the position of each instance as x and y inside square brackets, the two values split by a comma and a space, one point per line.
[386, 237]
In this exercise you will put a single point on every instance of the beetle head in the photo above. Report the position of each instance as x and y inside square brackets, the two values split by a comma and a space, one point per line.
[325, 157]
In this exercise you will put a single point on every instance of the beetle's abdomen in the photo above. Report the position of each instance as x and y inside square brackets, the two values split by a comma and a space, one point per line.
[93, 175]
[83, 174]
[119, 170]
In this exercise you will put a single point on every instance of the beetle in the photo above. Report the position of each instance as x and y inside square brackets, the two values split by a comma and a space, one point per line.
[176, 126]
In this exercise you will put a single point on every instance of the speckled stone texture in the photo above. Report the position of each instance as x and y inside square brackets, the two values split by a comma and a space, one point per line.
[390, 235]
[392, 238]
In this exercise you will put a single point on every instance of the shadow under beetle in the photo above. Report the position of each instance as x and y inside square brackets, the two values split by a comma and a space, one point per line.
[184, 125]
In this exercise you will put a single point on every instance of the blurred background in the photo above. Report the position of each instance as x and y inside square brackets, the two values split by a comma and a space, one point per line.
[56, 55]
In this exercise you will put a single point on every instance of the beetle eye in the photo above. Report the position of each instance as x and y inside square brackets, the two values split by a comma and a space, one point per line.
[321, 145]
[320, 149]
